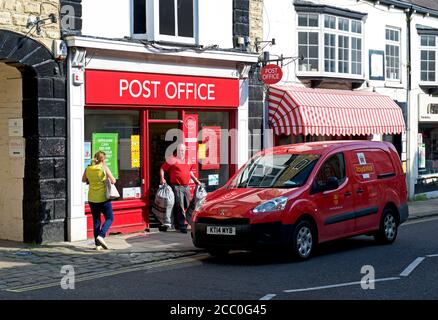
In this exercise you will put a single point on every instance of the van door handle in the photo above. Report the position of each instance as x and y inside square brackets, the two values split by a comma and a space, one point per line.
[347, 194]
[360, 191]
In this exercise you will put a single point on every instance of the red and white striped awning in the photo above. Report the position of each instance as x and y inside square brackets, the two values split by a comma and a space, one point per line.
[295, 110]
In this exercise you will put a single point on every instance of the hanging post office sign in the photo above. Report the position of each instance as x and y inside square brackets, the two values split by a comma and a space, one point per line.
[131, 88]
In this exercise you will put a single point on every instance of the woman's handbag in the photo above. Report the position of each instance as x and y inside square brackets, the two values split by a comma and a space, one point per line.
[111, 190]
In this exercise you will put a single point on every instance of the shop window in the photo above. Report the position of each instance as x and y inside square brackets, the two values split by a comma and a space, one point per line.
[118, 134]
[214, 176]
[427, 158]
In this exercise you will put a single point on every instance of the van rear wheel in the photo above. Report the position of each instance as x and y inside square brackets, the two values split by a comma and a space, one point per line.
[303, 240]
[388, 227]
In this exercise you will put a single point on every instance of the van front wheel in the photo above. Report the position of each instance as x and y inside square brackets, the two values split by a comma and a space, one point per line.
[303, 240]
[388, 227]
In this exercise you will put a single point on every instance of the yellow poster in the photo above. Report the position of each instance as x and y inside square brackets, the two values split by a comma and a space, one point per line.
[135, 151]
[202, 152]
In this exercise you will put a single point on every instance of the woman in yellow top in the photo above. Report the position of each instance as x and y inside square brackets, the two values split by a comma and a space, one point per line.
[95, 175]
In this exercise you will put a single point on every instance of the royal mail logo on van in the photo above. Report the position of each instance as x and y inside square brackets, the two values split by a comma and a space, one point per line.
[130, 88]
[363, 169]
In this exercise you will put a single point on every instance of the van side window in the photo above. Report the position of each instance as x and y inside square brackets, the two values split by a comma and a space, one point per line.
[333, 167]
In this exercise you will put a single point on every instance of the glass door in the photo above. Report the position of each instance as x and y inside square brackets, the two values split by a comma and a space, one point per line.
[161, 134]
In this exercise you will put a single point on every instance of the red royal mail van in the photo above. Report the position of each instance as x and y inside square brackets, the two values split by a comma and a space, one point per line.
[304, 194]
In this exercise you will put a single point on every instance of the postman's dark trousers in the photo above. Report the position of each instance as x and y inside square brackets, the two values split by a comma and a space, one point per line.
[182, 201]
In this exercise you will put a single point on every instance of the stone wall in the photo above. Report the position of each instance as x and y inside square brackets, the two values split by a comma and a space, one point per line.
[255, 21]
[15, 13]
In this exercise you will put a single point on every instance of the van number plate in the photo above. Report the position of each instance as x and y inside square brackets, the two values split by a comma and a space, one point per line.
[224, 231]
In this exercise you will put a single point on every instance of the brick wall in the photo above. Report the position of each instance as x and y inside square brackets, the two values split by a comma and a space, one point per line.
[14, 15]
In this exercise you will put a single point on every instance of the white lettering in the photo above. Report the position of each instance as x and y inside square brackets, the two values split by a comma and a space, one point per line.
[189, 90]
[156, 84]
[211, 92]
[68, 281]
[124, 85]
[182, 310]
[139, 88]
[181, 89]
[146, 89]
[175, 91]
[199, 91]
[368, 280]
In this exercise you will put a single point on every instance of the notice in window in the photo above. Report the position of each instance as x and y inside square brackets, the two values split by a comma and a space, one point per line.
[211, 136]
[108, 143]
[376, 60]
[135, 151]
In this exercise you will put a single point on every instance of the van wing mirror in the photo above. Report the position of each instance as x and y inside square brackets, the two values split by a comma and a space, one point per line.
[331, 184]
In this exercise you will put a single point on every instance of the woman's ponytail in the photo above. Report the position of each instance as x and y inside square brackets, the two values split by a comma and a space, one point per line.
[99, 157]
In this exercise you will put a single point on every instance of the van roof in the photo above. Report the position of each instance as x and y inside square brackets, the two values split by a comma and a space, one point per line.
[322, 147]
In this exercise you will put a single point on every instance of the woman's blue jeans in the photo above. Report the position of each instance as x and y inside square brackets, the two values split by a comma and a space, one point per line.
[96, 209]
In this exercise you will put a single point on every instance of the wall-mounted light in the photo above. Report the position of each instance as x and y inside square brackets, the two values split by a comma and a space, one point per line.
[243, 70]
[37, 22]
[259, 42]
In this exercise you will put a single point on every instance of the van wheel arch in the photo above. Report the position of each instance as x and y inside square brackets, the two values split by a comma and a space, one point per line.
[307, 217]
[393, 207]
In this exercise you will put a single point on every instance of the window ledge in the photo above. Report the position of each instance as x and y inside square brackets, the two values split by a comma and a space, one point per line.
[335, 76]
[394, 84]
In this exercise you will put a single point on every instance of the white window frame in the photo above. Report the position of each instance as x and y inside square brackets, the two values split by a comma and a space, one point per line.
[394, 44]
[153, 24]
[429, 48]
[322, 30]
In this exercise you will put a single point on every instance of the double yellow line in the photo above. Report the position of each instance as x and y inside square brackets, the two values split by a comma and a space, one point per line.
[164, 264]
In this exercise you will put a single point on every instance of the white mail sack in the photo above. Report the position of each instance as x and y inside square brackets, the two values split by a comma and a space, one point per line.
[162, 207]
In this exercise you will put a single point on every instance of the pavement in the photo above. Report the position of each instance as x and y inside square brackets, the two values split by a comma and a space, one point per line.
[26, 267]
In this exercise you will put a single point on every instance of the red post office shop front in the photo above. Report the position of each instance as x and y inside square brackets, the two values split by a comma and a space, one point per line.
[128, 115]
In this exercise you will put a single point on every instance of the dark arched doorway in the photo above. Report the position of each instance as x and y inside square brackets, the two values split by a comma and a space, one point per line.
[43, 116]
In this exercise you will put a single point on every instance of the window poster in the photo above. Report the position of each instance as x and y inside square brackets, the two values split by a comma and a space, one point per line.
[213, 179]
[211, 137]
[87, 150]
[108, 143]
[87, 153]
[135, 151]
[190, 126]
[422, 156]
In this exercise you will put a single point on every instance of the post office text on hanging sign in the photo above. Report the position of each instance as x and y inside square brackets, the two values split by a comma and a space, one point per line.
[271, 74]
[129, 88]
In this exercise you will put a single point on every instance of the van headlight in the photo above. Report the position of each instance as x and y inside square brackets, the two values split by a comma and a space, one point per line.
[273, 205]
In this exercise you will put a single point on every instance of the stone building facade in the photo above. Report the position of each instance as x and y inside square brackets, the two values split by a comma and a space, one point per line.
[33, 186]
[248, 23]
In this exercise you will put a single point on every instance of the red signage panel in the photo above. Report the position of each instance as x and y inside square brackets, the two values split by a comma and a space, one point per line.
[190, 129]
[211, 138]
[130, 88]
[271, 74]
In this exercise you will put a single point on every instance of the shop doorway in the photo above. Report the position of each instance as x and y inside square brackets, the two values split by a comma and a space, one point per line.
[12, 155]
[158, 144]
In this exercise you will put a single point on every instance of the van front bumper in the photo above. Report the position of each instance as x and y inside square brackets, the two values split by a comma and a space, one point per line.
[404, 212]
[247, 236]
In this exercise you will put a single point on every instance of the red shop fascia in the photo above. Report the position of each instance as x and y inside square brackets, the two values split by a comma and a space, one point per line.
[115, 91]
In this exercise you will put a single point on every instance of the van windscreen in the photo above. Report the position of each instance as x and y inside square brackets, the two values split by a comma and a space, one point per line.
[276, 171]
